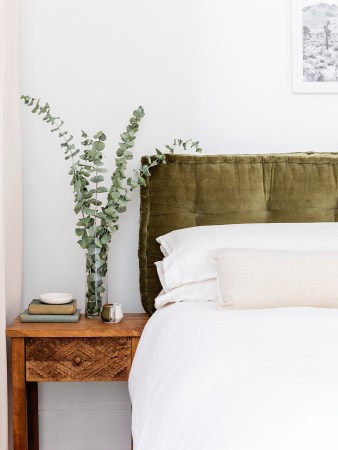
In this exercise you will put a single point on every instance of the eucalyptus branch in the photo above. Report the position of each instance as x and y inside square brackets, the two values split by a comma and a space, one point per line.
[160, 158]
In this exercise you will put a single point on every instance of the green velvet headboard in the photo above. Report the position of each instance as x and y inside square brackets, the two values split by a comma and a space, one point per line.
[220, 189]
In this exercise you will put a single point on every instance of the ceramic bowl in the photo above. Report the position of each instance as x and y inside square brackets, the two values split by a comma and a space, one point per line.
[56, 298]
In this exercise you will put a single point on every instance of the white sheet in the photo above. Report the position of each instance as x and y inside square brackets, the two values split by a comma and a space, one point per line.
[210, 379]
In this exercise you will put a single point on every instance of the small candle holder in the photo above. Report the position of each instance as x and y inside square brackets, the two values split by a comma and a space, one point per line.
[112, 313]
[108, 313]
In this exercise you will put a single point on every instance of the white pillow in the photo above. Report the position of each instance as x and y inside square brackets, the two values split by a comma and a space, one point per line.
[250, 279]
[205, 291]
[188, 248]
[160, 273]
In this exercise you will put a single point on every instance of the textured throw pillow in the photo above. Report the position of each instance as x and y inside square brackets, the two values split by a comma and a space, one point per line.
[250, 278]
[186, 251]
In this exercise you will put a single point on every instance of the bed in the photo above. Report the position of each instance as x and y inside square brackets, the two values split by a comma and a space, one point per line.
[211, 379]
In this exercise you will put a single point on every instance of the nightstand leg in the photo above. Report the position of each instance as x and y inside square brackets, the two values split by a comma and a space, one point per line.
[32, 415]
[19, 394]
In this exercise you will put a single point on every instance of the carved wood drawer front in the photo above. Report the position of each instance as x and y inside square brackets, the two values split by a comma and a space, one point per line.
[78, 359]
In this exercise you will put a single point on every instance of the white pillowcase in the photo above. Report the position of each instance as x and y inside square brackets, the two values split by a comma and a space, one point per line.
[187, 249]
[250, 279]
[205, 291]
[160, 273]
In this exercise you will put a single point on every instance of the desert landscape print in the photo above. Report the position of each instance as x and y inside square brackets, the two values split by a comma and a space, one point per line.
[320, 42]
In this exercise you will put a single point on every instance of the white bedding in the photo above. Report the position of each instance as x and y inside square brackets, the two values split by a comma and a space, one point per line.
[211, 379]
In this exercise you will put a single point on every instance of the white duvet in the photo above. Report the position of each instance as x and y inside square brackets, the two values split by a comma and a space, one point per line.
[211, 379]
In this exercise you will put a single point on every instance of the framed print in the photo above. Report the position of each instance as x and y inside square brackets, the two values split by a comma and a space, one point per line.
[315, 46]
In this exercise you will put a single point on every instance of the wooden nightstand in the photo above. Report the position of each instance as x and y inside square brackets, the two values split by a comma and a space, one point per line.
[89, 350]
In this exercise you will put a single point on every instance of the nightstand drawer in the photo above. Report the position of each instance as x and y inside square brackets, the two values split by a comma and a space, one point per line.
[78, 359]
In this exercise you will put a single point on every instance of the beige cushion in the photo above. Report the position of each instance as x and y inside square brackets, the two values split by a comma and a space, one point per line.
[249, 278]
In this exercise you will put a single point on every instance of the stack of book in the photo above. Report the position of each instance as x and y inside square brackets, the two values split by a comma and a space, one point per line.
[42, 312]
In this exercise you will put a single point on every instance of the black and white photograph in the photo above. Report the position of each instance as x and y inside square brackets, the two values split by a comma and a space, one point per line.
[315, 46]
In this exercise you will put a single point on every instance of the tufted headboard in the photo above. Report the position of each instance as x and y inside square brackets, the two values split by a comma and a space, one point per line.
[211, 190]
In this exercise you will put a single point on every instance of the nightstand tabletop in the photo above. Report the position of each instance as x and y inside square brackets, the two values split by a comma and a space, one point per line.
[131, 326]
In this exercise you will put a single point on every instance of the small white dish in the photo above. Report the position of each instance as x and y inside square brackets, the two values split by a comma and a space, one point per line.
[56, 298]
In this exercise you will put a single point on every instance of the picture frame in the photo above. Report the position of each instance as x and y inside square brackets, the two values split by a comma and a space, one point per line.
[315, 46]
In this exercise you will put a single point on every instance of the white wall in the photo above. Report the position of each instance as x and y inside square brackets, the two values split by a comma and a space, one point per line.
[214, 70]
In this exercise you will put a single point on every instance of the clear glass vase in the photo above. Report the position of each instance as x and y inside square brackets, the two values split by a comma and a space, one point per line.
[96, 281]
